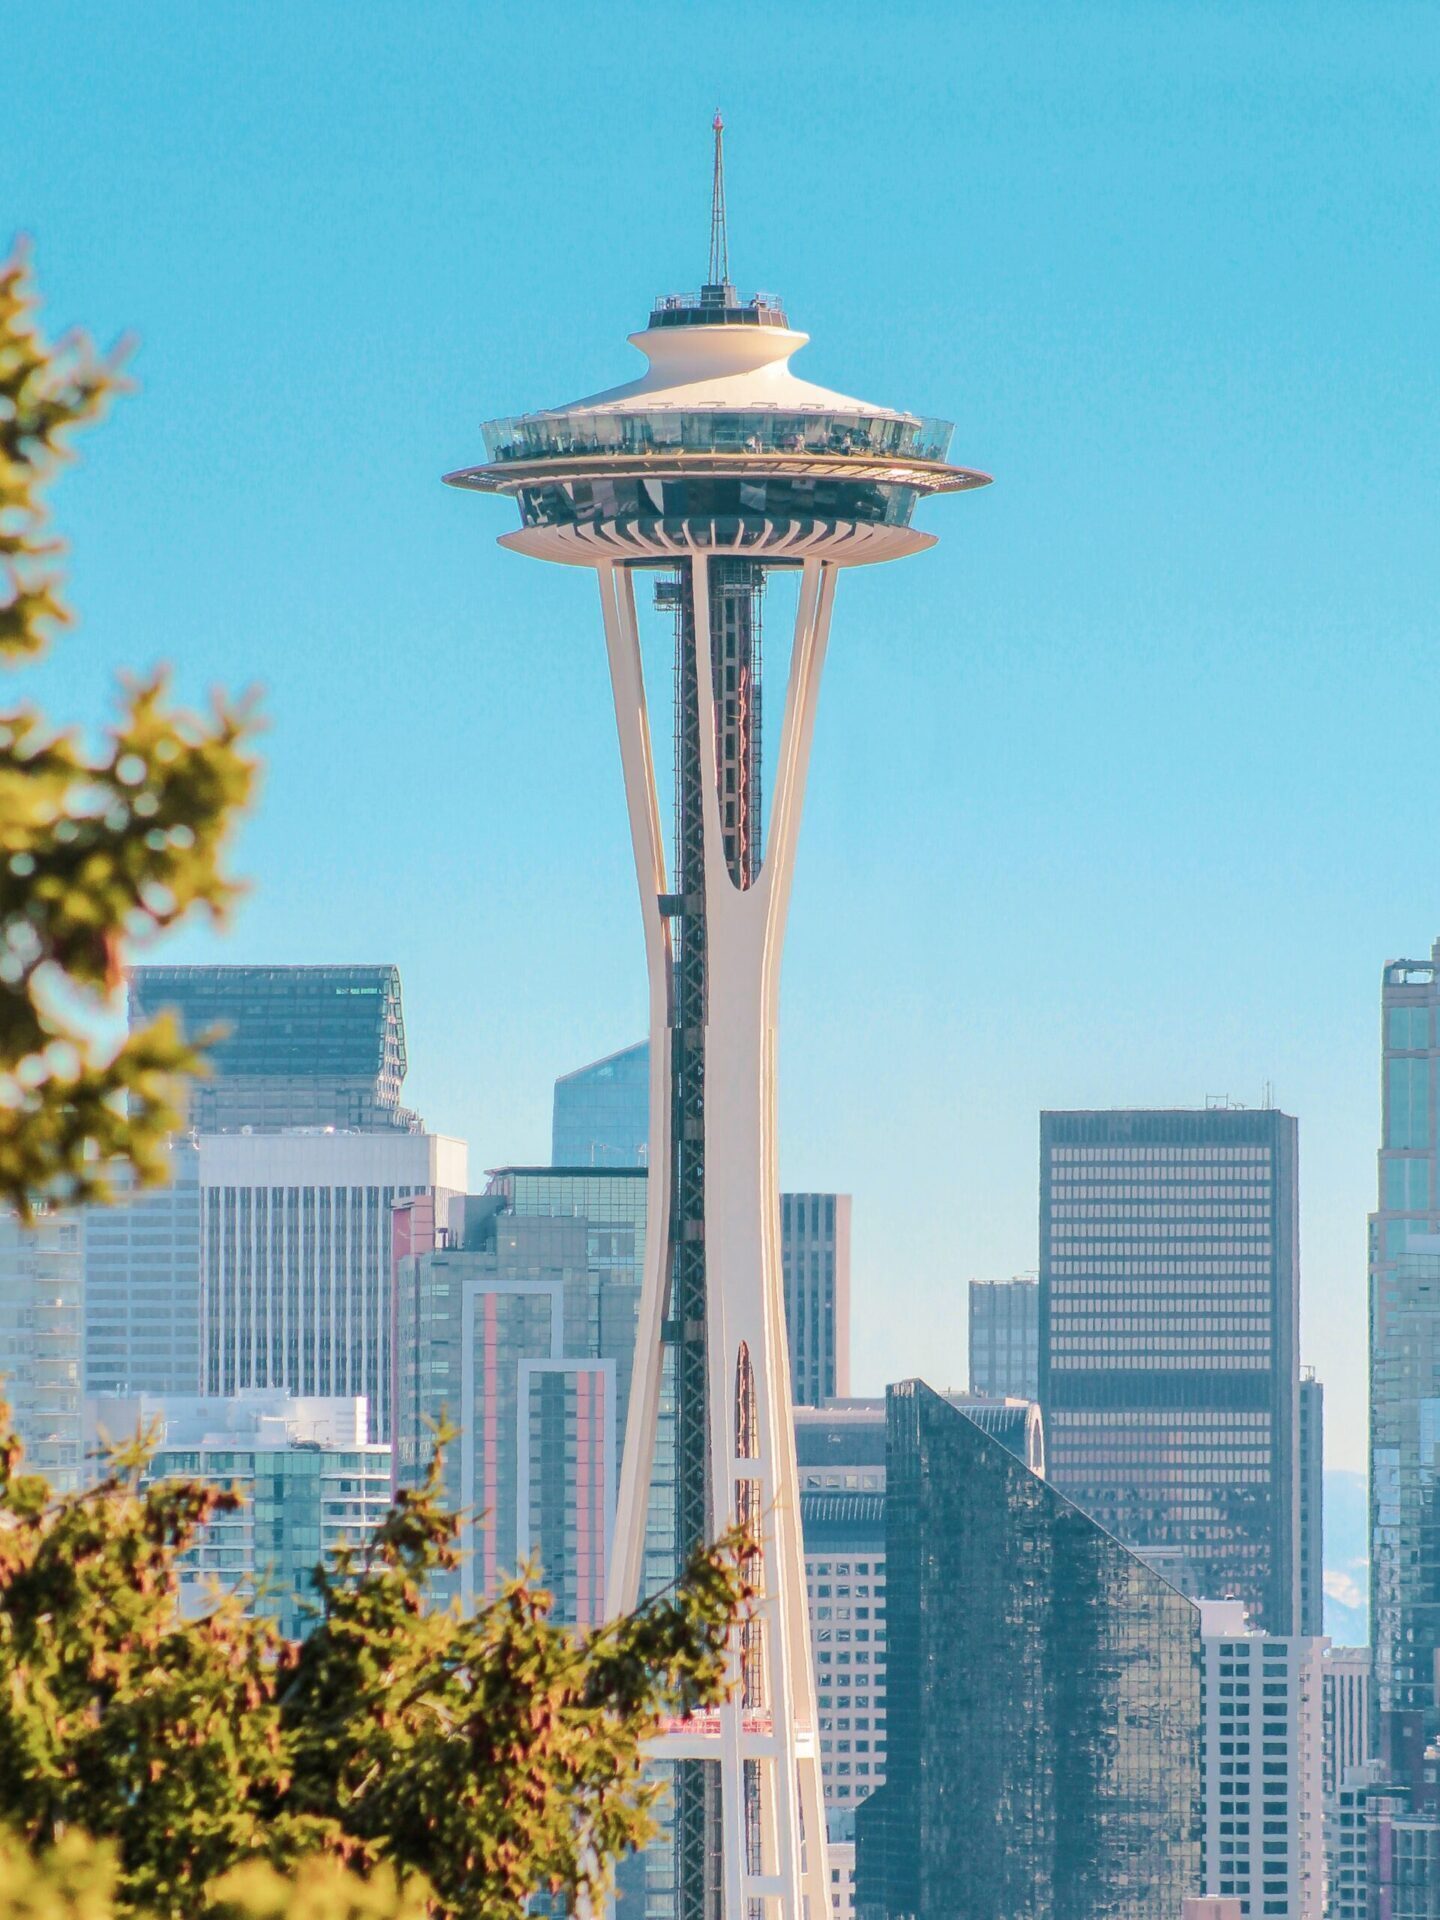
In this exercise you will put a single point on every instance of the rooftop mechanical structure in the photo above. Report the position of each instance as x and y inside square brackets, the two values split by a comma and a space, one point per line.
[715, 468]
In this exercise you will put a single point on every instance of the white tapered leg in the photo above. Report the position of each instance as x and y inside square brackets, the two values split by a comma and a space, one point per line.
[622, 641]
[767, 1734]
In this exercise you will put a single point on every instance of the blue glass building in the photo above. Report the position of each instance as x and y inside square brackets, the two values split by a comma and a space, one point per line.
[602, 1112]
[1043, 1698]
[296, 1046]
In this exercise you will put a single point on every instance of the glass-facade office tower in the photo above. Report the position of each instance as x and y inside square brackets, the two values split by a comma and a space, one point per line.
[1005, 1338]
[295, 1257]
[1043, 1698]
[1169, 1312]
[840, 1452]
[1312, 1504]
[1261, 1766]
[311, 1479]
[518, 1321]
[42, 1285]
[300, 1046]
[1405, 1375]
[142, 1285]
[602, 1112]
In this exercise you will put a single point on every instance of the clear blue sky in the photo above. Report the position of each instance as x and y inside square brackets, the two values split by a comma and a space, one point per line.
[1122, 796]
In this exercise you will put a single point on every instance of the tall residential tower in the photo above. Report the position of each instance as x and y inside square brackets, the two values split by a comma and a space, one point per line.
[715, 476]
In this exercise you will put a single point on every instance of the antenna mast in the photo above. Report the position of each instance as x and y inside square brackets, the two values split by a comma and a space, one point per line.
[719, 244]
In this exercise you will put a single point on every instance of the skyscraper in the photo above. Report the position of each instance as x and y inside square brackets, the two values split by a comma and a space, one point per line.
[815, 1276]
[1042, 1748]
[295, 1257]
[1005, 1337]
[142, 1284]
[1169, 1311]
[517, 1320]
[602, 1112]
[1312, 1504]
[298, 1046]
[1261, 1766]
[42, 1281]
[602, 1120]
[1405, 1376]
[840, 1452]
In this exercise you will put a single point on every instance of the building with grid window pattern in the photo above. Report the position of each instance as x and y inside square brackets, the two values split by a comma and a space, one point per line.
[295, 1257]
[142, 1282]
[516, 1314]
[840, 1452]
[1043, 1698]
[1169, 1311]
[1311, 1601]
[1261, 1766]
[815, 1270]
[42, 1290]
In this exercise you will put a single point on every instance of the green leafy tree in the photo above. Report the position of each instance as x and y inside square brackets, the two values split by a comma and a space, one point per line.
[479, 1757]
[101, 847]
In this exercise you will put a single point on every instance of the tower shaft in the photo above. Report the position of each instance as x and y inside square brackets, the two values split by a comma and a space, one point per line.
[735, 590]
[748, 1807]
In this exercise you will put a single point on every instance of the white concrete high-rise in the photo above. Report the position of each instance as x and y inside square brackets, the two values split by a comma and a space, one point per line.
[1347, 1712]
[1261, 1766]
[296, 1257]
[717, 470]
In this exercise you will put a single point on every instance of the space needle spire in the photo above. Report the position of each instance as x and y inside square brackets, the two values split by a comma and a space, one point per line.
[719, 240]
[710, 475]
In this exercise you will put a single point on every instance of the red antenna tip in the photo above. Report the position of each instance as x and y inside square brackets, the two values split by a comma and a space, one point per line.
[717, 122]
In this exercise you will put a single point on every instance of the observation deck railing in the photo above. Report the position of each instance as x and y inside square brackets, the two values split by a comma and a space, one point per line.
[828, 436]
[717, 306]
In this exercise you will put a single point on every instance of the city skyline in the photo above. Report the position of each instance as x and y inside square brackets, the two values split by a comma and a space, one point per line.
[1214, 915]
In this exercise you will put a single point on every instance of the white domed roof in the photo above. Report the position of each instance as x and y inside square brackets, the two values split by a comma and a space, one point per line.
[729, 367]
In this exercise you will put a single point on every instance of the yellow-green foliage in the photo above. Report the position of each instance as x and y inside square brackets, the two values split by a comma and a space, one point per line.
[76, 1880]
[490, 1755]
[101, 846]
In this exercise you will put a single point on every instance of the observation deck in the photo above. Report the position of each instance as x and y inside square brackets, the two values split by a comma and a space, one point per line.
[718, 444]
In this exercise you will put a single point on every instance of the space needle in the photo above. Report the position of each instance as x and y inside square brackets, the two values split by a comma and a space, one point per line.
[712, 471]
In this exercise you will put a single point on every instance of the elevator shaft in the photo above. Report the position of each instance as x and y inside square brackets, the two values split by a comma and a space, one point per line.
[734, 597]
